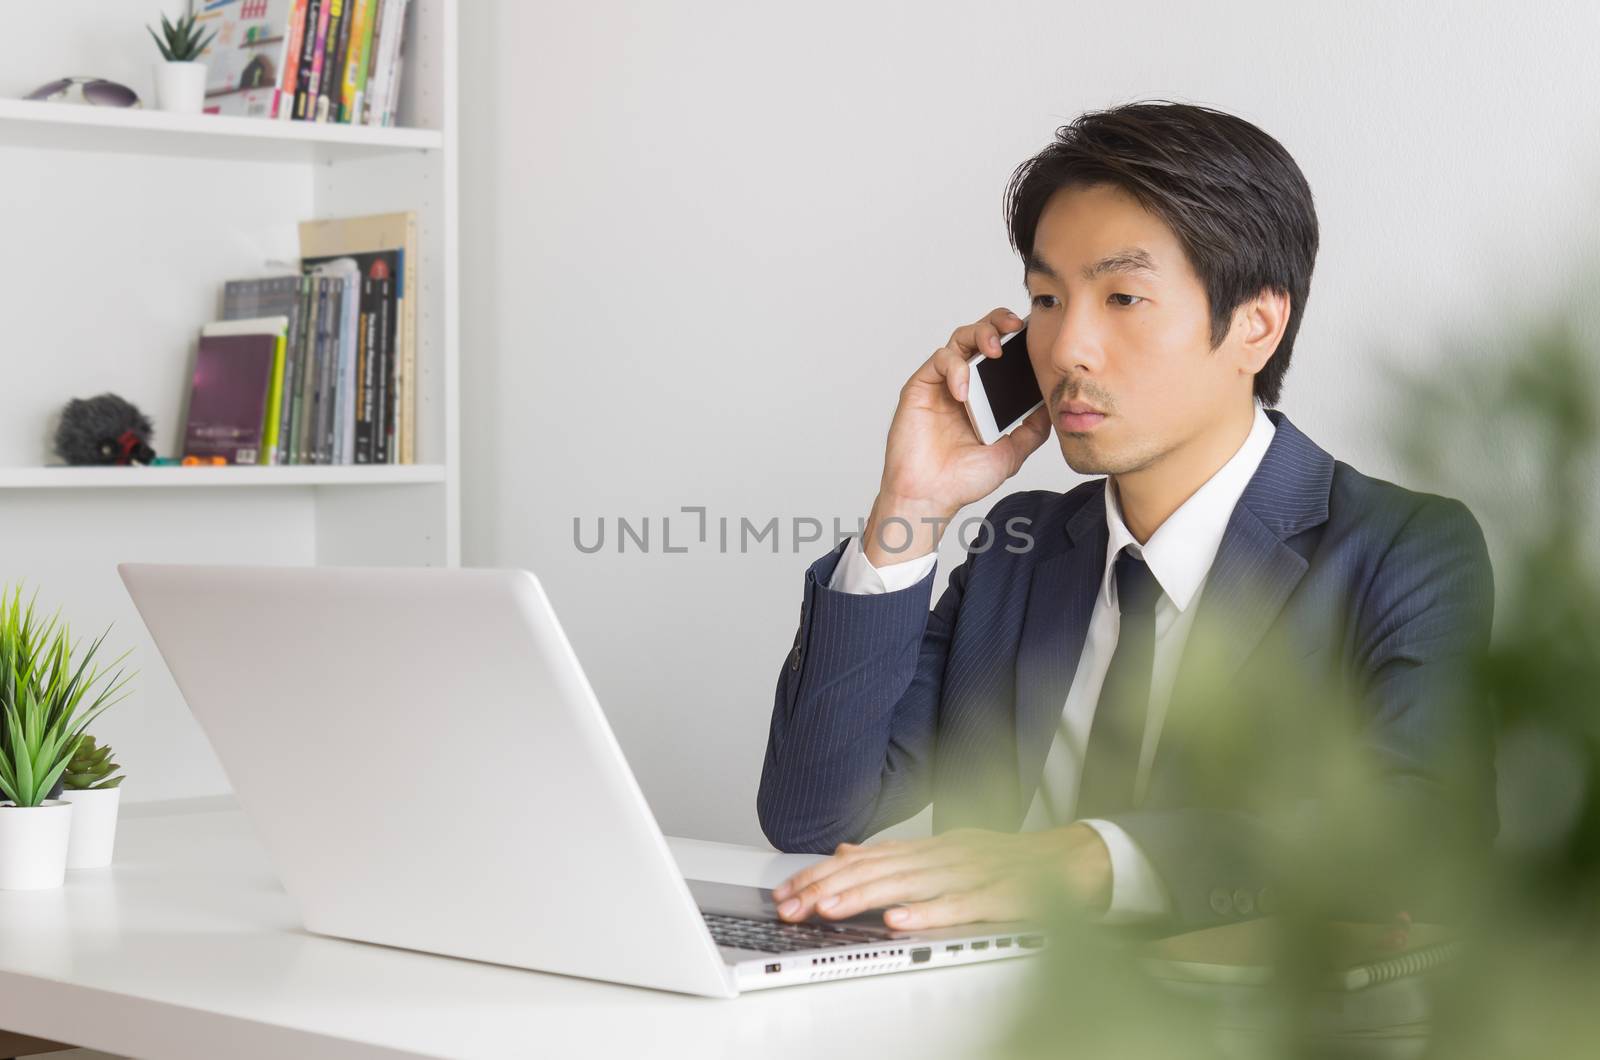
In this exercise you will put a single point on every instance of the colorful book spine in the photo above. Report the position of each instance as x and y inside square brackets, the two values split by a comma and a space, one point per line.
[269, 439]
[370, 77]
[359, 435]
[355, 61]
[283, 105]
[319, 52]
[308, 388]
[406, 366]
[369, 42]
[381, 83]
[305, 85]
[328, 82]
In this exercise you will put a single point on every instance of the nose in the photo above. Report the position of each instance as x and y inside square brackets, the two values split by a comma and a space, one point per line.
[1075, 346]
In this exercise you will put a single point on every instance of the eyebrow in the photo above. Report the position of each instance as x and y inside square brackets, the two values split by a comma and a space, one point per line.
[1128, 259]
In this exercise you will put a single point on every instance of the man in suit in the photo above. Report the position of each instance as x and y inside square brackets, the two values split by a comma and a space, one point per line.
[1167, 253]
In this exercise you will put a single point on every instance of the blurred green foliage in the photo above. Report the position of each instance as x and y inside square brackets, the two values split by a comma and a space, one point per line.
[1511, 425]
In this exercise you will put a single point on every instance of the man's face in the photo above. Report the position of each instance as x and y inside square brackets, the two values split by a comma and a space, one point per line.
[1131, 341]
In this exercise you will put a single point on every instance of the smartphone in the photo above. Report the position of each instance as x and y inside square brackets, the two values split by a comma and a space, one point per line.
[1002, 391]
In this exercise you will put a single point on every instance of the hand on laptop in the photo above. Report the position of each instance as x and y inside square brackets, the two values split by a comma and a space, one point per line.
[961, 876]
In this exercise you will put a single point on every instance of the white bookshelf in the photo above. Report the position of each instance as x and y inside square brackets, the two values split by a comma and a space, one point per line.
[117, 230]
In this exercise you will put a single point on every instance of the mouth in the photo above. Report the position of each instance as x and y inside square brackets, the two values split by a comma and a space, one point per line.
[1078, 416]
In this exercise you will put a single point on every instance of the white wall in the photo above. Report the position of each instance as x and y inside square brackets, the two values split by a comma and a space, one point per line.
[805, 200]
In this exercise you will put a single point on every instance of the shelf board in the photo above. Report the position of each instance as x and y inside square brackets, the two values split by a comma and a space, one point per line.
[29, 123]
[64, 477]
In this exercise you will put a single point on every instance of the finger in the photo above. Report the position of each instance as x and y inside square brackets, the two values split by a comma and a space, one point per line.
[842, 893]
[845, 854]
[982, 335]
[841, 854]
[1025, 438]
[946, 367]
[1001, 321]
[806, 901]
[958, 907]
[909, 885]
[815, 871]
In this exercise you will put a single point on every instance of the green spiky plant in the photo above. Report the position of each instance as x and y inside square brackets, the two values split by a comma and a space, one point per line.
[182, 42]
[42, 699]
[91, 767]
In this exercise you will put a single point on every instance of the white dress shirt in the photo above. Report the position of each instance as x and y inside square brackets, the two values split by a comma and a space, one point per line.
[1179, 554]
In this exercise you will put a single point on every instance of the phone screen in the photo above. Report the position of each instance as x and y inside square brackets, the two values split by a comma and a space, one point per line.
[1008, 380]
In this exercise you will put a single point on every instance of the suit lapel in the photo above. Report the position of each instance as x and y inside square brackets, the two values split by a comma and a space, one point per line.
[1061, 598]
[1255, 570]
[1251, 579]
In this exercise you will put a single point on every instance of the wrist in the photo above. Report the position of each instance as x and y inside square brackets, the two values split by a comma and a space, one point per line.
[900, 529]
[1086, 866]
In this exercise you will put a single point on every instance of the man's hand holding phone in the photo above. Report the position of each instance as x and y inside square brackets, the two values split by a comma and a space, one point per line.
[935, 464]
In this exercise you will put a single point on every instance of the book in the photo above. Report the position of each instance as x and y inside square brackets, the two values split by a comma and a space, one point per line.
[384, 246]
[319, 45]
[308, 385]
[305, 86]
[289, 80]
[340, 429]
[375, 48]
[269, 297]
[245, 59]
[328, 77]
[382, 84]
[236, 368]
[330, 315]
[360, 60]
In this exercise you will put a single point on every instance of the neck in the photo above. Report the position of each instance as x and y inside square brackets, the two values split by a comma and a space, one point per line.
[1152, 493]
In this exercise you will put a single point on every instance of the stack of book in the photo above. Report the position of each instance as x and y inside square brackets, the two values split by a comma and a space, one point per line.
[319, 367]
[305, 60]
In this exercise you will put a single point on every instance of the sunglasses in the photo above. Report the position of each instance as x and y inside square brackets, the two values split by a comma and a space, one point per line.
[95, 91]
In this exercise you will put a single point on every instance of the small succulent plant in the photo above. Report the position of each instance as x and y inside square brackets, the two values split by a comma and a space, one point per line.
[91, 767]
[183, 43]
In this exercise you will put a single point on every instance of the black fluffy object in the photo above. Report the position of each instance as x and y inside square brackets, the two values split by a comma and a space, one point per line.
[104, 430]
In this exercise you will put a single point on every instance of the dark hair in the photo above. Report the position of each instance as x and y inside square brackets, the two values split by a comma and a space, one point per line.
[1235, 199]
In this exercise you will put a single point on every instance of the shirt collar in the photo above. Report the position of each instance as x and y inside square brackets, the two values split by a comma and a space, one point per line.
[1180, 552]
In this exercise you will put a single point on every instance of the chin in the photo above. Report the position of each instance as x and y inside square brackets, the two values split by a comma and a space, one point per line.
[1092, 456]
[1084, 456]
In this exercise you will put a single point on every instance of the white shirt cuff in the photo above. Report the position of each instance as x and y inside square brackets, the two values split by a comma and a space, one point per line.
[855, 574]
[1137, 892]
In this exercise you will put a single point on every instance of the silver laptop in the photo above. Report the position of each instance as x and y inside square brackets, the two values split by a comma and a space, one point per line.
[428, 767]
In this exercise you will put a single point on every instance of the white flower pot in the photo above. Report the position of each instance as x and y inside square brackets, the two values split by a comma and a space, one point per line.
[94, 827]
[181, 87]
[33, 844]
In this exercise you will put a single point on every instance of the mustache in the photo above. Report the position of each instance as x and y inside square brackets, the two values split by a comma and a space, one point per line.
[1071, 389]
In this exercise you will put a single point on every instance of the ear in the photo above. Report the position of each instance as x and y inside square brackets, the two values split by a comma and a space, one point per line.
[1259, 325]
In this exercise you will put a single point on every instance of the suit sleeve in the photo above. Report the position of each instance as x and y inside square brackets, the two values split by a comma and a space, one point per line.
[850, 747]
[1421, 625]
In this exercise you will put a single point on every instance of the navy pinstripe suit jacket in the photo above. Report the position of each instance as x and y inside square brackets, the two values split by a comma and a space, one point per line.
[883, 706]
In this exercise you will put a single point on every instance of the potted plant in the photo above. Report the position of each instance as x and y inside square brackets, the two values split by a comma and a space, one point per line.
[94, 794]
[181, 77]
[42, 715]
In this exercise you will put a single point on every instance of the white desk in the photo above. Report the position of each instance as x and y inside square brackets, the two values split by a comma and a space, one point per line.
[189, 947]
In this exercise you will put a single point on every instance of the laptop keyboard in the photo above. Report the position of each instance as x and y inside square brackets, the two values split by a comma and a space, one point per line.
[774, 936]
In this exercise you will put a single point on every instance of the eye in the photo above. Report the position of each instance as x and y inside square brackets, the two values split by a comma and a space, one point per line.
[1038, 298]
[1126, 305]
